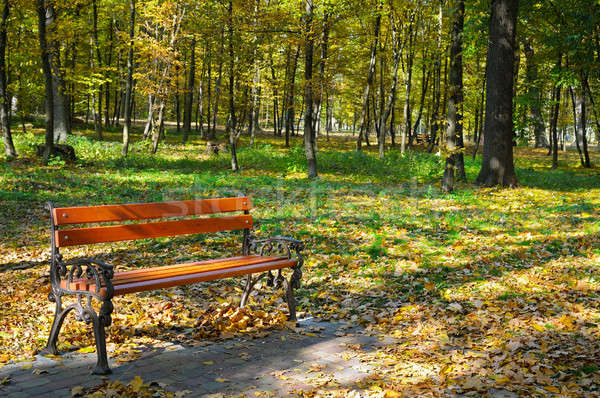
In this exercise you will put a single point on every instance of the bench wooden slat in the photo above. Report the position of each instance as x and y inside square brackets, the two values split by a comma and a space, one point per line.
[161, 282]
[171, 270]
[145, 211]
[115, 233]
[201, 277]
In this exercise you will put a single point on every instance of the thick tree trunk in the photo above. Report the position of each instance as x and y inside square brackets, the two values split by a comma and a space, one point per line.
[455, 100]
[371, 72]
[309, 146]
[60, 103]
[49, 100]
[9, 147]
[129, 86]
[497, 167]
[189, 93]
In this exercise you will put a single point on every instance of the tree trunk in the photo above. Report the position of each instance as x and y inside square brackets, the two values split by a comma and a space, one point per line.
[213, 133]
[96, 57]
[129, 86]
[370, 74]
[231, 123]
[580, 123]
[60, 104]
[208, 93]
[424, 85]
[107, 84]
[437, 91]
[455, 99]
[149, 128]
[200, 105]
[158, 130]
[481, 120]
[321, 80]
[555, 127]
[289, 123]
[177, 100]
[497, 167]
[49, 142]
[276, 119]
[9, 147]
[309, 147]
[535, 108]
[408, 82]
[189, 93]
[588, 91]
[397, 50]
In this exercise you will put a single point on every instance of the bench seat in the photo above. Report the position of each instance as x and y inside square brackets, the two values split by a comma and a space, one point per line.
[140, 280]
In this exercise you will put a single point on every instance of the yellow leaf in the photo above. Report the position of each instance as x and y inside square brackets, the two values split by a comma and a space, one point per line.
[77, 390]
[552, 389]
[538, 327]
[221, 380]
[567, 321]
[26, 366]
[392, 394]
[209, 362]
[136, 384]
[87, 349]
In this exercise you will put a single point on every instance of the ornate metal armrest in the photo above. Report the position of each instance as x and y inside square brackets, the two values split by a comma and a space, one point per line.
[98, 271]
[278, 244]
[283, 246]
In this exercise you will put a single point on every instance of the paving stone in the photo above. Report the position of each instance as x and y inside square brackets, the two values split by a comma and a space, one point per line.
[29, 384]
[17, 394]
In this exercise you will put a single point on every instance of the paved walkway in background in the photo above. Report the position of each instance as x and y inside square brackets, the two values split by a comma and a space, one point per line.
[282, 362]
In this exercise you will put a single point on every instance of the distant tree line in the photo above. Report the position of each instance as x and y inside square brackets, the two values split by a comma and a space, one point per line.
[400, 72]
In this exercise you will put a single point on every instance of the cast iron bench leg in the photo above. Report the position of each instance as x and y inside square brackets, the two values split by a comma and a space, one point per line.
[59, 317]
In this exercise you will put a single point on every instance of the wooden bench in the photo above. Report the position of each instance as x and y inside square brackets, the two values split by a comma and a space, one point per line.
[87, 279]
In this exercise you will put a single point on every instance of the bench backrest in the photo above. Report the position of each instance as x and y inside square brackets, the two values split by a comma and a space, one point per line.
[145, 211]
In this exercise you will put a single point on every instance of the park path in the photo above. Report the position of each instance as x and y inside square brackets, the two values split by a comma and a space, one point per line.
[318, 355]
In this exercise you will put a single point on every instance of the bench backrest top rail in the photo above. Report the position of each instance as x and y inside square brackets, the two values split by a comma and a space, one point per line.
[146, 211]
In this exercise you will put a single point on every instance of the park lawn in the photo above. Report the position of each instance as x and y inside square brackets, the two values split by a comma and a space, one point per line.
[482, 288]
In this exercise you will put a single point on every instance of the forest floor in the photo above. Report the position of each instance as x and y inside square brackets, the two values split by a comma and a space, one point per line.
[481, 290]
